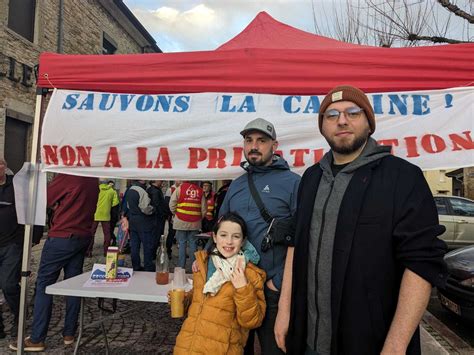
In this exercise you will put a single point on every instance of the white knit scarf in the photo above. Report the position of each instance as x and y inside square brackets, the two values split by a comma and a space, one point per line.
[224, 270]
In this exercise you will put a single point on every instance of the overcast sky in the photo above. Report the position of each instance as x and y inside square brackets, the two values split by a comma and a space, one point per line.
[190, 25]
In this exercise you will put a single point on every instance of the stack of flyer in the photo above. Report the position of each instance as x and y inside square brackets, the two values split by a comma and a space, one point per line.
[98, 277]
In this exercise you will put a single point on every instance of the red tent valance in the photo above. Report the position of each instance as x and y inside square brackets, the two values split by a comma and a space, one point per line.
[262, 68]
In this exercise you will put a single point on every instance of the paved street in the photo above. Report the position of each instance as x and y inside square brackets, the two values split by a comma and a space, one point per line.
[460, 330]
[150, 330]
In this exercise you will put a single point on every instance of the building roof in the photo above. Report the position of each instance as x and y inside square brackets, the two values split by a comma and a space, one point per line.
[457, 174]
[131, 24]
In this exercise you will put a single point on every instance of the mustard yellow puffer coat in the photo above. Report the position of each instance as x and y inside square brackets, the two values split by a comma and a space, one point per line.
[220, 324]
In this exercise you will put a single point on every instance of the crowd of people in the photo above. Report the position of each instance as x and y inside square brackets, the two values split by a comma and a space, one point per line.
[339, 261]
[76, 206]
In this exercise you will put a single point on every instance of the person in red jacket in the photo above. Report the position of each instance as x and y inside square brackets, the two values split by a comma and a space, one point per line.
[189, 207]
[74, 200]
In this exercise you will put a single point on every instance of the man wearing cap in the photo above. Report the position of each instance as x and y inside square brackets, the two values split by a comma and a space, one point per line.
[366, 251]
[277, 187]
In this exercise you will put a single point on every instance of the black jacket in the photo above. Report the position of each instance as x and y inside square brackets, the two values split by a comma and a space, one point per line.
[10, 230]
[158, 202]
[138, 221]
[387, 222]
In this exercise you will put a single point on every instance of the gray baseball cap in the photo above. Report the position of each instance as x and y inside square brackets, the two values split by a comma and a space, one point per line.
[261, 125]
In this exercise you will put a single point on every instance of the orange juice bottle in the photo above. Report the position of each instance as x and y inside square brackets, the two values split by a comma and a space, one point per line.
[162, 267]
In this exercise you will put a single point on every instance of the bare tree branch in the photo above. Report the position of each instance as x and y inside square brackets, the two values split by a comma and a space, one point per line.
[414, 37]
[456, 10]
[390, 23]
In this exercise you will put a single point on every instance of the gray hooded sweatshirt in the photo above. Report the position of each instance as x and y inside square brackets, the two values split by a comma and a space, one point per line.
[331, 190]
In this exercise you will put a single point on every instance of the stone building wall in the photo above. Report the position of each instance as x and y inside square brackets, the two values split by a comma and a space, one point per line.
[469, 183]
[84, 24]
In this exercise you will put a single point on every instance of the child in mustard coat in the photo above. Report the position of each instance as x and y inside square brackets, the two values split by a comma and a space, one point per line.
[227, 296]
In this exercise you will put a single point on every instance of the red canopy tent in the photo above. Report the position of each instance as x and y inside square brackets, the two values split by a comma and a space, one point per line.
[267, 57]
[266, 32]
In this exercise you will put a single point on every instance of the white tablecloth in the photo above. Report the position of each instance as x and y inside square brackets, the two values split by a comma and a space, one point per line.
[142, 287]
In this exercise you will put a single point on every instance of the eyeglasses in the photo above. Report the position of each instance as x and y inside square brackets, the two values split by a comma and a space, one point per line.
[351, 113]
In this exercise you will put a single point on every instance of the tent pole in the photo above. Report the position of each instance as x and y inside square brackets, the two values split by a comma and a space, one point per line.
[30, 218]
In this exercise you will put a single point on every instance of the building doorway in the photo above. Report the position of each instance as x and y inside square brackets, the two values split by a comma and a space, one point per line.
[16, 136]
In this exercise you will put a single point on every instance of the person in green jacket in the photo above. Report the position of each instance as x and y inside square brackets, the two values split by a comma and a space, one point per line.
[108, 198]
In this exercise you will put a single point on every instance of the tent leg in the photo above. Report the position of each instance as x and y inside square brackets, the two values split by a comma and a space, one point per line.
[30, 218]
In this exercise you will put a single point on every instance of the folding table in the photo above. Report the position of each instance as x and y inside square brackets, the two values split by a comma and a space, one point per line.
[142, 287]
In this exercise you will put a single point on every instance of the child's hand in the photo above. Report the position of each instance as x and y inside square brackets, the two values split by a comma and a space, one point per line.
[238, 278]
[195, 266]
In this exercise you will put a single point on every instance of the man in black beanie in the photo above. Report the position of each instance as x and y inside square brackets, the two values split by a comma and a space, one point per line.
[366, 250]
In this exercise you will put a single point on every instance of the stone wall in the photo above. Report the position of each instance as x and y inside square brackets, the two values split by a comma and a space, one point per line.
[469, 183]
[84, 22]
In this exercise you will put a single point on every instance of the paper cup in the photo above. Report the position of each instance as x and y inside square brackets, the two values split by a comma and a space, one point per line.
[179, 277]
[177, 302]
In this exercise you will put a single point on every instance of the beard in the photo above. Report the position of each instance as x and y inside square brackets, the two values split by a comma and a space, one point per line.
[346, 148]
[258, 159]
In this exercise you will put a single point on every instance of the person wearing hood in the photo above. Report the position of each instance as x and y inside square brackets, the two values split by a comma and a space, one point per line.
[277, 188]
[367, 251]
[108, 198]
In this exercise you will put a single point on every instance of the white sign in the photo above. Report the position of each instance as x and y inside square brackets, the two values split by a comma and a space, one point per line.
[196, 136]
[21, 182]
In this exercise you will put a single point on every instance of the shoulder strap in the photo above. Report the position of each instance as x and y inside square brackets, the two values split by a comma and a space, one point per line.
[256, 197]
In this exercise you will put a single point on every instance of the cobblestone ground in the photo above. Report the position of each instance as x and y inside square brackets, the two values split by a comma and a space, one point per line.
[148, 330]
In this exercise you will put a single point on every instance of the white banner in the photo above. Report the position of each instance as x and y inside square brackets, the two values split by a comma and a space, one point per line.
[196, 136]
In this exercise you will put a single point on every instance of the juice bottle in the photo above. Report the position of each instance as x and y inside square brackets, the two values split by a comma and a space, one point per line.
[111, 263]
[162, 268]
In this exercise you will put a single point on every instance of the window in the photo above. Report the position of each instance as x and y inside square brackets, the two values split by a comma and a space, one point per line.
[462, 207]
[21, 17]
[441, 205]
[108, 44]
[442, 176]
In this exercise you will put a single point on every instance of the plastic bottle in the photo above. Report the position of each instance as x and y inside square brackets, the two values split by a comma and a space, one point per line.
[162, 268]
